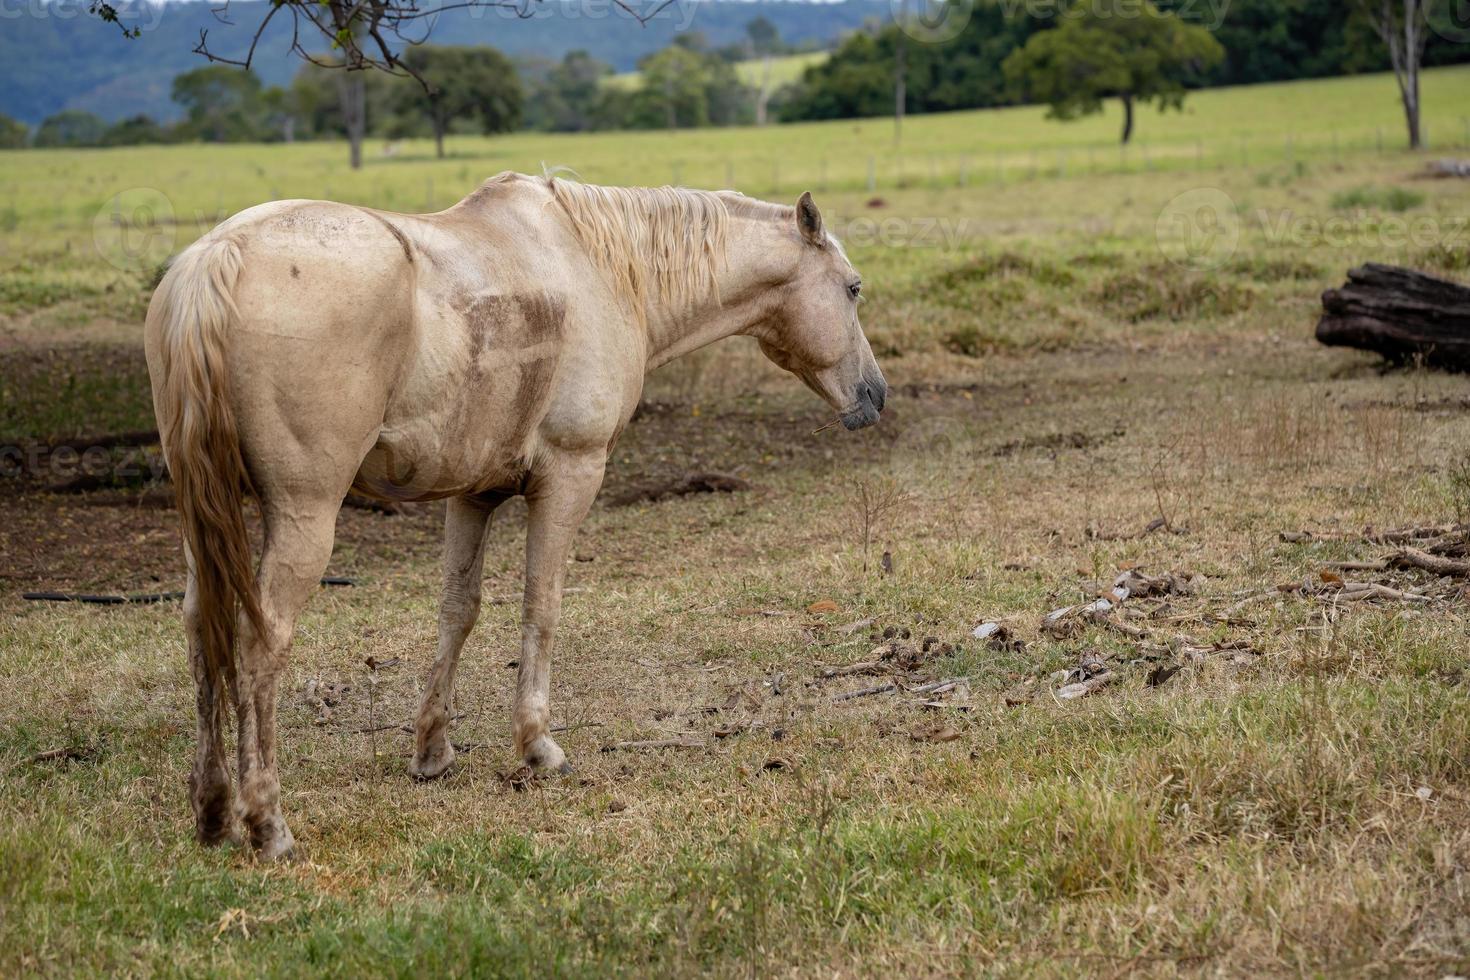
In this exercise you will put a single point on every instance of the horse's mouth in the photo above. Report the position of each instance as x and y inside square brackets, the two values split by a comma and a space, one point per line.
[870, 399]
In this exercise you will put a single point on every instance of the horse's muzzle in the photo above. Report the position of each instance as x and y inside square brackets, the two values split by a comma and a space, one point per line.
[871, 396]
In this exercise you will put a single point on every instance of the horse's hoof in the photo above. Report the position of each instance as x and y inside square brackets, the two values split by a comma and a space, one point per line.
[431, 765]
[544, 755]
[280, 848]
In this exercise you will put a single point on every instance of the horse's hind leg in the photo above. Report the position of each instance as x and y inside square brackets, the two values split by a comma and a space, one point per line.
[298, 545]
[209, 782]
[465, 521]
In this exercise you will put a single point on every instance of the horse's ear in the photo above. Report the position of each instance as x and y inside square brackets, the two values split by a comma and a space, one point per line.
[809, 220]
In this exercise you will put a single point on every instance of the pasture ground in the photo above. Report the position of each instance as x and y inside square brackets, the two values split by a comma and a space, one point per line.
[1295, 800]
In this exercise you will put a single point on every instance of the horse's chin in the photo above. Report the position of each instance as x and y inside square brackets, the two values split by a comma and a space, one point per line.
[859, 417]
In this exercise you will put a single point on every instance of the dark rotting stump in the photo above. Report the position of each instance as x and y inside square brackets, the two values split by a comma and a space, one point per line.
[1402, 314]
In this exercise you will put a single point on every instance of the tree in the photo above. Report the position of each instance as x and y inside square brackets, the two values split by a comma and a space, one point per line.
[70, 127]
[134, 131]
[1112, 48]
[462, 83]
[13, 133]
[962, 72]
[763, 40]
[364, 35]
[564, 96]
[676, 78]
[1403, 25]
[221, 104]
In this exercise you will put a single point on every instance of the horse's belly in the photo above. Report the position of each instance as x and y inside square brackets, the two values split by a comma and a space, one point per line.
[465, 418]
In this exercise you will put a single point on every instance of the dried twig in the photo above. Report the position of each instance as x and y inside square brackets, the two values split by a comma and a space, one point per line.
[863, 667]
[656, 743]
[865, 692]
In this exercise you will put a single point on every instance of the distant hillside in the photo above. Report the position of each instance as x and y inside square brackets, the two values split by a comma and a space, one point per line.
[72, 61]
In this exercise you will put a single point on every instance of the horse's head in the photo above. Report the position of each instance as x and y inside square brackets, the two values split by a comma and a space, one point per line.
[815, 332]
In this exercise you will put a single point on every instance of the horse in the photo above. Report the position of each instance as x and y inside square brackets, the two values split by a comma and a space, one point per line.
[302, 350]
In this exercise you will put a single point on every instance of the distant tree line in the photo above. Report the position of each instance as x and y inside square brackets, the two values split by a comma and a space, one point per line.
[1262, 41]
[1068, 59]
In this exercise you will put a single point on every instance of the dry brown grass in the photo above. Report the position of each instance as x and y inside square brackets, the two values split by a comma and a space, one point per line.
[1302, 809]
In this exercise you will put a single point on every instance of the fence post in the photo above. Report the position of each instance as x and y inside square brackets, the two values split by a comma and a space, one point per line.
[678, 173]
[730, 175]
[872, 175]
[823, 182]
[965, 167]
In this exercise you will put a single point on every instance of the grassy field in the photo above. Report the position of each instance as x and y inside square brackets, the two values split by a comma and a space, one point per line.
[1082, 384]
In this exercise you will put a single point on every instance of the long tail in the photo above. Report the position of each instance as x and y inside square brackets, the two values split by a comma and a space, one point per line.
[202, 445]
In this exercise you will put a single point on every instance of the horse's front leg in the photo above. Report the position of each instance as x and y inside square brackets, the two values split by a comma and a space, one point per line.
[557, 499]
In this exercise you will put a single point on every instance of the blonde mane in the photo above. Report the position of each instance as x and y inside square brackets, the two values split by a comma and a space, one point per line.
[663, 243]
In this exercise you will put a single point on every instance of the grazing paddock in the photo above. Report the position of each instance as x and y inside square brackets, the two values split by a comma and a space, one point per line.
[1068, 403]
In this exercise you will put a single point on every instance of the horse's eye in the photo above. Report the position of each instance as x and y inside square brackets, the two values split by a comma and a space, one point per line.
[854, 288]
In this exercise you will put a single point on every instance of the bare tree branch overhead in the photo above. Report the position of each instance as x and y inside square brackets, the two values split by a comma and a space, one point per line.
[362, 34]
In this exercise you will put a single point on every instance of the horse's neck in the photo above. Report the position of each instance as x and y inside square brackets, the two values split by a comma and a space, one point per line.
[745, 297]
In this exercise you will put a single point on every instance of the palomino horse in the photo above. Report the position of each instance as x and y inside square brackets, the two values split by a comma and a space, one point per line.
[303, 349]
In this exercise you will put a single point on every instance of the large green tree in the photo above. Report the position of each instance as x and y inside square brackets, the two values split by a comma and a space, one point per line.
[70, 127]
[563, 96]
[1101, 49]
[221, 104]
[478, 84]
[13, 133]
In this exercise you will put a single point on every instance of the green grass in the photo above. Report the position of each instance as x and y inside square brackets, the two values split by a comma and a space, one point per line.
[1382, 198]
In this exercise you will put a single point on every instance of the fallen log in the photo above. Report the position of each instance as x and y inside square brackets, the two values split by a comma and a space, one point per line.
[1400, 314]
[1439, 565]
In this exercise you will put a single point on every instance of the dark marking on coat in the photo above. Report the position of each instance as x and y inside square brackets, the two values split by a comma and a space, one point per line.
[295, 272]
[395, 232]
[514, 343]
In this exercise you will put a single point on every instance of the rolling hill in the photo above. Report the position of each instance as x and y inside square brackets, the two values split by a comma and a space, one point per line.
[57, 57]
